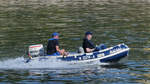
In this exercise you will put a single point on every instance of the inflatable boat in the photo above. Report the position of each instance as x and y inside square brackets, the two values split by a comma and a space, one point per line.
[113, 54]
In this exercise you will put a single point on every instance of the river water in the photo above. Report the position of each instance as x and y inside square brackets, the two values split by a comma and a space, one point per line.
[27, 22]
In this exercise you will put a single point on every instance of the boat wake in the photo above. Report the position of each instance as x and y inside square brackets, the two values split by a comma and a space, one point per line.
[20, 63]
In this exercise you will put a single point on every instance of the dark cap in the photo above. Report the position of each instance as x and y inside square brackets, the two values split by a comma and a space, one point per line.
[88, 33]
[55, 34]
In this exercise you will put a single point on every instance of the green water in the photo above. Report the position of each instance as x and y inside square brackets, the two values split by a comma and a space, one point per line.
[23, 23]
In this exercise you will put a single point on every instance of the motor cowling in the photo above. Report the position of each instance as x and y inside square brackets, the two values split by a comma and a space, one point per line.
[36, 50]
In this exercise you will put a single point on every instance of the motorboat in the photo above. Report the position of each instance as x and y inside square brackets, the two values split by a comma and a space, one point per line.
[113, 54]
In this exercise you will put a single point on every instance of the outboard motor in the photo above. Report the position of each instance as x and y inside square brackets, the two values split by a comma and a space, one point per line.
[36, 50]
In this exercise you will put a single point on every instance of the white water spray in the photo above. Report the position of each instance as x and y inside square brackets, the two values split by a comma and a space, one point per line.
[19, 63]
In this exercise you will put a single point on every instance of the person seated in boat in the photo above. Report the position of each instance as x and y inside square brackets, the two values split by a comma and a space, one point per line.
[88, 46]
[53, 46]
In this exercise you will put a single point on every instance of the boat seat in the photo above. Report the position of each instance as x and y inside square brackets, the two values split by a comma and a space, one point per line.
[80, 50]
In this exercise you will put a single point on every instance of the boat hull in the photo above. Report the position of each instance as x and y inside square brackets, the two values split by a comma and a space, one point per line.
[115, 58]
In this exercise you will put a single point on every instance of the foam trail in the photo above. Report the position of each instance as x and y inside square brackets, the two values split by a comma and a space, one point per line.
[19, 63]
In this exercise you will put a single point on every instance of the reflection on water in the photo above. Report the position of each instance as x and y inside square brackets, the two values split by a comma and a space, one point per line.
[132, 73]
[27, 22]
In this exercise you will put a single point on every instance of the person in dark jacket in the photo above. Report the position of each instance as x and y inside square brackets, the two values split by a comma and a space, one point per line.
[53, 46]
[88, 46]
